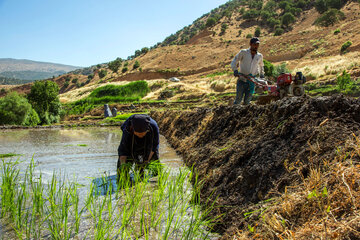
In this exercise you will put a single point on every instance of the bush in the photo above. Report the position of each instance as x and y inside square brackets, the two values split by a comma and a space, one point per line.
[249, 35]
[287, 19]
[344, 81]
[210, 22]
[44, 98]
[268, 68]
[91, 76]
[239, 33]
[136, 65]
[279, 69]
[124, 69]
[251, 14]
[272, 22]
[224, 26]
[115, 65]
[66, 84]
[137, 88]
[144, 50]
[102, 73]
[345, 46]
[321, 6]
[242, 10]
[75, 80]
[337, 4]
[330, 17]
[257, 32]
[337, 31]
[16, 110]
[278, 31]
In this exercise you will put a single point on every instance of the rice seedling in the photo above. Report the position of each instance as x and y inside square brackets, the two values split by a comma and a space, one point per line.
[162, 207]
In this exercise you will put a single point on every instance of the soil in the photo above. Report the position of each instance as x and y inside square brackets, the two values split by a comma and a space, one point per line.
[242, 153]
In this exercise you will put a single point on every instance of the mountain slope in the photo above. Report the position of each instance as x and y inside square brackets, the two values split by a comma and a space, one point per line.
[31, 70]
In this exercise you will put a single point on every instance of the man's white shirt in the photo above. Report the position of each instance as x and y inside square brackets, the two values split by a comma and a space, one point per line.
[248, 65]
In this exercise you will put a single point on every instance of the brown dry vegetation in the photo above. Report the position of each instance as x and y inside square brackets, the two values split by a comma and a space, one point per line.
[263, 163]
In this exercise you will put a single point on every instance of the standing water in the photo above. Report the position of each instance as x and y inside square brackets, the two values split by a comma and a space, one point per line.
[159, 209]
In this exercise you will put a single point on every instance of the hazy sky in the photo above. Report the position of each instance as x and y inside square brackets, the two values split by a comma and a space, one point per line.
[88, 32]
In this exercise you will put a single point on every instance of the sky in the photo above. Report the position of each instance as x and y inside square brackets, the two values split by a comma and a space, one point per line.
[88, 32]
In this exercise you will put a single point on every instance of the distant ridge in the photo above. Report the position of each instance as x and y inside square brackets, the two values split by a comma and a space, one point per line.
[24, 69]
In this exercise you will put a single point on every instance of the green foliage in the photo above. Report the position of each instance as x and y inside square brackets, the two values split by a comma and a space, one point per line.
[268, 68]
[75, 80]
[287, 19]
[251, 14]
[224, 26]
[126, 64]
[102, 73]
[124, 70]
[337, 31]
[279, 69]
[330, 17]
[272, 22]
[344, 81]
[321, 6]
[278, 31]
[210, 22]
[249, 35]
[242, 10]
[66, 84]
[44, 97]
[137, 88]
[144, 50]
[239, 33]
[16, 110]
[136, 65]
[257, 32]
[337, 4]
[345, 46]
[91, 76]
[115, 65]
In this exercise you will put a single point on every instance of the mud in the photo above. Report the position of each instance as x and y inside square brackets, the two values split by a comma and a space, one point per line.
[247, 154]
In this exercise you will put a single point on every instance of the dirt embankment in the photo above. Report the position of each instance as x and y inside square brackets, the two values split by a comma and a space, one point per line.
[243, 153]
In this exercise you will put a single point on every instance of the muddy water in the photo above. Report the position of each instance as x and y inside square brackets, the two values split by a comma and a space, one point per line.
[80, 154]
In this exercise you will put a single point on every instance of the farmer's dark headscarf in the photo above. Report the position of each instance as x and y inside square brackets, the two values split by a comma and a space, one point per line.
[140, 123]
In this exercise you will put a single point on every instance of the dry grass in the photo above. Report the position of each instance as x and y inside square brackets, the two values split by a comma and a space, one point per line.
[324, 206]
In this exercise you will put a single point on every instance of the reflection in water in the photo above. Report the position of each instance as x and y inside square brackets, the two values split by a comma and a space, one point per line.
[59, 151]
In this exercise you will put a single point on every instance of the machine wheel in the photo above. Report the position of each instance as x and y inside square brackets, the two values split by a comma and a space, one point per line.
[298, 91]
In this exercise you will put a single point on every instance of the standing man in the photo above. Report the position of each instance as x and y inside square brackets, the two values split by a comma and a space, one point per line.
[139, 142]
[251, 63]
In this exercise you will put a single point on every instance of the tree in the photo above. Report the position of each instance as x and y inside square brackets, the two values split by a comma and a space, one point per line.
[330, 17]
[144, 50]
[257, 32]
[321, 6]
[44, 98]
[210, 22]
[115, 65]
[15, 109]
[102, 73]
[136, 65]
[287, 19]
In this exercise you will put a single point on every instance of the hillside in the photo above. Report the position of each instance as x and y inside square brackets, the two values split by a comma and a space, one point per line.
[31, 70]
[303, 46]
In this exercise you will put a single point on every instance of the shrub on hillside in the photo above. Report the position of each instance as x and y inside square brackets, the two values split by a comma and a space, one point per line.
[337, 31]
[102, 73]
[330, 17]
[251, 14]
[224, 26]
[91, 76]
[44, 98]
[345, 46]
[239, 33]
[16, 110]
[115, 65]
[268, 68]
[287, 19]
[249, 35]
[66, 84]
[124, 70]
[136, 65]
[279, 69]
[210, 22]
[343, 81]
[321, 6]
[257, 32]
[75, 80]
[278, 31]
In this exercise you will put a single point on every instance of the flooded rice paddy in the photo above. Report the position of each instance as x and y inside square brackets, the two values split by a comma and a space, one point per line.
[160, 208]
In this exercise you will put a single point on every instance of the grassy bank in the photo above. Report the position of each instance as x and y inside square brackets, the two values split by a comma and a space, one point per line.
[165, 208]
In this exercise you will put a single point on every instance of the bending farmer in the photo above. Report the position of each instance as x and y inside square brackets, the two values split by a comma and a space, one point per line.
[251, 63]
[139, 143]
